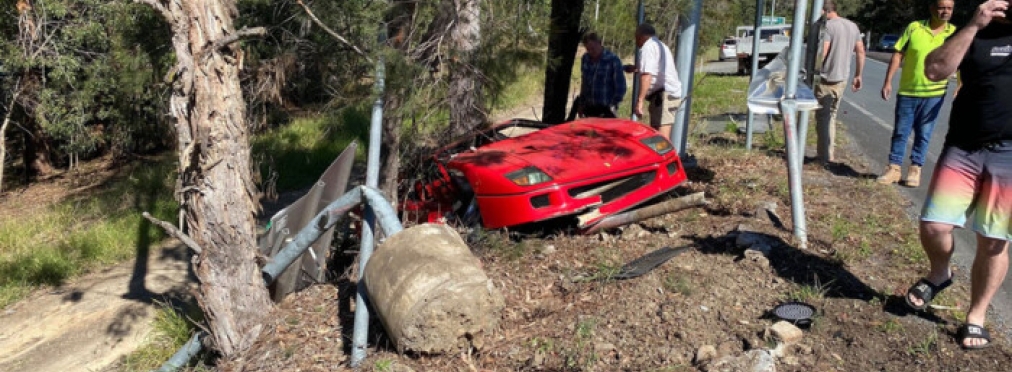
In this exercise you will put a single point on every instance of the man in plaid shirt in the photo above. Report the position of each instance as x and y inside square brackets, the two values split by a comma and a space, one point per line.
[602, 82]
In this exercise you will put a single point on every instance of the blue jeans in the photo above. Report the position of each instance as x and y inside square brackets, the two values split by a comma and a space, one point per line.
[919, 114]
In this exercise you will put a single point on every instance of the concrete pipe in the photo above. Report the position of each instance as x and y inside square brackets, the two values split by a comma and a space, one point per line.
[430, 292]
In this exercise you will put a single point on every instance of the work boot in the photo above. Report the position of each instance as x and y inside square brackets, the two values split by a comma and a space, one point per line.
[913, 176]
[892, 175]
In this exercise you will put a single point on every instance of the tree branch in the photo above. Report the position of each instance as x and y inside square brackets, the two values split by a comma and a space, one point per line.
[157, 5]
[333, 34]
[245, 33]
[174, 231]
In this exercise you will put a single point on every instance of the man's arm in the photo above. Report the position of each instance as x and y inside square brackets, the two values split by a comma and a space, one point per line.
[859, 51]
[825, 51]
[644, 87]
[942, 62]
[584, 83]
[620, 86]
[887, 85]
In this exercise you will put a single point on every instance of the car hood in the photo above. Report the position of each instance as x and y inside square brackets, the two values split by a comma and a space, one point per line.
[567, 152]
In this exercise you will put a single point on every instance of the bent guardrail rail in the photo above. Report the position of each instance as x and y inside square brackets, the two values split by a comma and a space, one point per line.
[766, 91]
[320, 224]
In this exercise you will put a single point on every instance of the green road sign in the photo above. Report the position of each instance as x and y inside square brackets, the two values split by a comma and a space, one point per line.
[768, 21]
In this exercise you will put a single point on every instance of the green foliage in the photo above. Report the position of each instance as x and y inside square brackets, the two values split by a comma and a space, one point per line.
[84, 232]
[295, 155]
[172, 329]
[92, 73]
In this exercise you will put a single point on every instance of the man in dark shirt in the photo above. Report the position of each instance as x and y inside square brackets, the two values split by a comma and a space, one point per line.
[973, 177]
[602, 80]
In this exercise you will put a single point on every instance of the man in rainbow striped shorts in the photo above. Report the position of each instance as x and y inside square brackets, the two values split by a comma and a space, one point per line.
[972, 181]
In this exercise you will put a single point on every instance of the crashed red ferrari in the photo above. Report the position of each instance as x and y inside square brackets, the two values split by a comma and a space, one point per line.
[522, 171]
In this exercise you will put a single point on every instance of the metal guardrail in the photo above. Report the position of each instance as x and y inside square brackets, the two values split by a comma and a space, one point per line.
[323, 221]
[769, 88]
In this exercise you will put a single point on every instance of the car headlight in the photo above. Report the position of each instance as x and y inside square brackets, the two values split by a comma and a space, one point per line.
[658, 144]
[528, 176]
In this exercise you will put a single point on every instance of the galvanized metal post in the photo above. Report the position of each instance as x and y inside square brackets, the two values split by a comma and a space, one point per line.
[636, 76]
[184, 354]
[685, 63]
[755, 66]
[360, 336]
[789, 109]
[811, 54]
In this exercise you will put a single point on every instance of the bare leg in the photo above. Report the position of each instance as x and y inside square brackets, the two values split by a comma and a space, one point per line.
[665, 130]
[936, 238]
[989, 268]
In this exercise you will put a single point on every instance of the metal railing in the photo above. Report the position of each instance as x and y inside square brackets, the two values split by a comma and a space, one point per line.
[323, 221]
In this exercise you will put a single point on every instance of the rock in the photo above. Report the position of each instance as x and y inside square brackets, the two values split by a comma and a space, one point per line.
[728, 348]
[539, 358]
[790, 360]
[603, 347]
[747, 239]
[761, 361]
[767, 212]
[605, 237]
[752, 361]
[454, 307]
[762, 247]
[757, 257]
[804, 349]
[784, 332]
[705, 354]
[547, 249]
[633, 231]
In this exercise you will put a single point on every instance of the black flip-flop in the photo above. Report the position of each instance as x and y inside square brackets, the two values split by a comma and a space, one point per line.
[926, 291]
[967, 331]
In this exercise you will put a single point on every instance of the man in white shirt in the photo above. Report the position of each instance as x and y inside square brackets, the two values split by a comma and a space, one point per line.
[658, 80]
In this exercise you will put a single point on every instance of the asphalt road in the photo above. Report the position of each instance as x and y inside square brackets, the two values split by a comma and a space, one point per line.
[868, 120]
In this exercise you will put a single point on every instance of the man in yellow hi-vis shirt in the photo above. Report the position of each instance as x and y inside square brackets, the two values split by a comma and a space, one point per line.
[919, 99]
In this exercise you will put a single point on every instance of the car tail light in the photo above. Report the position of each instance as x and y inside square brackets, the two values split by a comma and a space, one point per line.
[658, 144]
[528, 176]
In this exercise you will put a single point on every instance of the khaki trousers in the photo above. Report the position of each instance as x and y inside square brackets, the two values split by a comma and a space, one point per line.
[829, 96]
[661, 117]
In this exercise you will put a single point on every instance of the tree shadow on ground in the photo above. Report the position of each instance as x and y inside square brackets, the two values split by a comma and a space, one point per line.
[807, 268]
[799, 266]
[842, 170]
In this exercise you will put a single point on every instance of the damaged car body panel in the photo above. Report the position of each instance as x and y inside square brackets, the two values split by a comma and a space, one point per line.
[523, 171]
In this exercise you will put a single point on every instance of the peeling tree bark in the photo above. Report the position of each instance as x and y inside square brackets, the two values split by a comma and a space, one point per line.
[3, 133]
[467, 113]
[215, 188]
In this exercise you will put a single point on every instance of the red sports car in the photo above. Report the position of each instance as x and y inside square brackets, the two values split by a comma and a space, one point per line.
[524, 171]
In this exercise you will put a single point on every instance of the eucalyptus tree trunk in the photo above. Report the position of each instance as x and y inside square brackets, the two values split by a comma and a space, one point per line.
[3, 134]
[563, 39]
[390, 146]
[467, 111]
[215, 188]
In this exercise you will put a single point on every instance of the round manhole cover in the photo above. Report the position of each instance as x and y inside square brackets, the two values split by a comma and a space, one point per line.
[796, 312]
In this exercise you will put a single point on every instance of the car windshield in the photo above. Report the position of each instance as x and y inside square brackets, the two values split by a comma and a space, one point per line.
[890, 38]
[730, 42]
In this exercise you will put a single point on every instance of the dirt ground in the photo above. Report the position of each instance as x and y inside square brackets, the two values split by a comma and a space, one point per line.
[563, 313]
[563, 310]
[91, 322]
